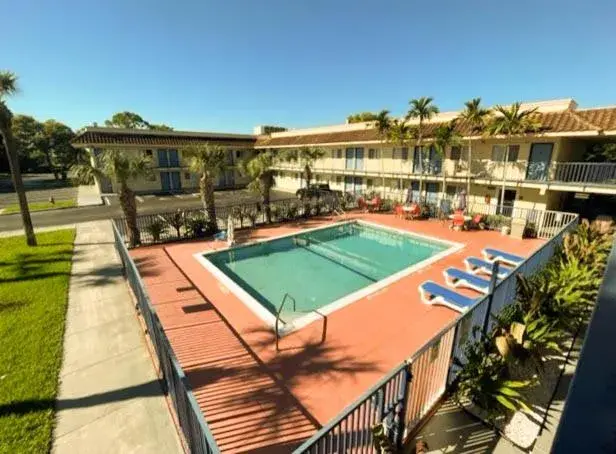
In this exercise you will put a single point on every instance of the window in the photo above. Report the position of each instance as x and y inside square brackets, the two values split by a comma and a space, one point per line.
[435, 350]
[338, 154]
[339, 180]
[369, 183]
[404, 153]
[317, 178]
[373, 154]
[238, 154]
[456, 153]
[187, 175]
[451, 189]
[498, 153]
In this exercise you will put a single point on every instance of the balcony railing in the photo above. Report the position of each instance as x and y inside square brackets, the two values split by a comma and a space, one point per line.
[578, 173]
[584, 172]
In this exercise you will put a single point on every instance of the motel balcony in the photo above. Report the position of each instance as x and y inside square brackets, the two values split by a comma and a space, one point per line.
[563, 176]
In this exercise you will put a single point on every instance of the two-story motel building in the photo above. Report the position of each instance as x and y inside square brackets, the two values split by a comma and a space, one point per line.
[544, 170]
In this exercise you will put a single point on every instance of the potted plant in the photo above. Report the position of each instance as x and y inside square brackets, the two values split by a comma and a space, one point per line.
[176, 220]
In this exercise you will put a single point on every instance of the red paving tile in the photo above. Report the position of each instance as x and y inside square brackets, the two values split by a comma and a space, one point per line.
[257, 399]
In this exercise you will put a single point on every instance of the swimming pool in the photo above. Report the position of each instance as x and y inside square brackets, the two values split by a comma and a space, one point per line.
[321, 269]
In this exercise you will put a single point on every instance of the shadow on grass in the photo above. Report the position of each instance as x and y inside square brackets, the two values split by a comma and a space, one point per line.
[147, 389]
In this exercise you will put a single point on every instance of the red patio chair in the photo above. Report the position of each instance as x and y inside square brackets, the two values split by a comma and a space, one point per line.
[399, 211]
[361, 203]
[376, 203]
[458, 221]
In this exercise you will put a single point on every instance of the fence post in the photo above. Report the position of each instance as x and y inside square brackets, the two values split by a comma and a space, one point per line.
[400, 410]
[493, 279]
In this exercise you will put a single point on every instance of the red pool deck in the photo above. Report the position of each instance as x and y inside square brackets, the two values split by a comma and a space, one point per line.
[259, 400]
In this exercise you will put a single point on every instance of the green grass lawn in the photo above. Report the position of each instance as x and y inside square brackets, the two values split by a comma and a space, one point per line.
[33, 300]
[38, 206]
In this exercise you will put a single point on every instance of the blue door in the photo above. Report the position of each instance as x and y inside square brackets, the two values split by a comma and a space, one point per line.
[436, 162]
[348, 184]
[415, 191]
[174, 159]
[431, 193]
[359, 158]
[176, 181]
[165, 181]
[539, 161]
[350, 158]
[163, 158]
[358, 184]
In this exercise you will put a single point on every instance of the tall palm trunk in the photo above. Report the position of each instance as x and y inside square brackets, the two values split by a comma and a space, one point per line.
[307, 174]
[265, 198]
[505, 158]
[470, 167]
[421, 160]
[129, 207]
[11, 152]
[209, 204]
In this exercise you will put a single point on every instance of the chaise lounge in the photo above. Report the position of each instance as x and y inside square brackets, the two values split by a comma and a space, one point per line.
[476, 265]
[458, 278]
[433, 293]
[492, 255]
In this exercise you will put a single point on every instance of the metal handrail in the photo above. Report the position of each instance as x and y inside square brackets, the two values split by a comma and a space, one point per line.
[284, 300]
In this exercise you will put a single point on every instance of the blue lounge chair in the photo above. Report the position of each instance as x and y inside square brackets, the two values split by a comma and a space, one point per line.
[476, 265]
[433, 293]
[492, 255]
[458, 278]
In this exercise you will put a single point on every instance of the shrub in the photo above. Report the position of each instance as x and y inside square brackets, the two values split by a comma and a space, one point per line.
[292, 210]
[196, 226]
[251, 215]
[239, 213]
[530, 231]
[156, 229]
[483, 379]
[176, 220]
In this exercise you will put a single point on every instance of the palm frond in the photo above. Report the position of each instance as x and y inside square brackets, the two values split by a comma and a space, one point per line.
[85, 173]
[8, 84]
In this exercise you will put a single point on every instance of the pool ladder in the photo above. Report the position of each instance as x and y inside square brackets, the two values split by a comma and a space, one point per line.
[284, 300]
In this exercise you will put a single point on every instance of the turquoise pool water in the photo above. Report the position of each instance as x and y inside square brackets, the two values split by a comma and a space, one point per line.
[321, 266]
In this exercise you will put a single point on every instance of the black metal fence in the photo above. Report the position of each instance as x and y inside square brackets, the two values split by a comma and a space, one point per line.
[195, 429]
[190, 224]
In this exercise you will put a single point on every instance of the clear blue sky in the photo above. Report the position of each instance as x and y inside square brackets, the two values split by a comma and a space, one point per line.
[232, 64]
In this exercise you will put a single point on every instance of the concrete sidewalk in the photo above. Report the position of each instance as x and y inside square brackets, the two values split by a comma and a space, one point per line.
[88, 196]
[109, 399]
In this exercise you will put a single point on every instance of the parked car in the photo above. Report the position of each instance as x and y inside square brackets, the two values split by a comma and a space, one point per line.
[315, 191]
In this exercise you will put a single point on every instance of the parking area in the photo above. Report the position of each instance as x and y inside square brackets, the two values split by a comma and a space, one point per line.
[39, 188]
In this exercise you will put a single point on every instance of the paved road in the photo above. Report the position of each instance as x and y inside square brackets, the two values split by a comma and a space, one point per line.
[149, 204]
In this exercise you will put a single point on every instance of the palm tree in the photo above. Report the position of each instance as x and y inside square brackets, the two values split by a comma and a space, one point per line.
[476, 117]
[8, 87]
[445, 135]
[306, 156]
[120, 166]
[400, 134]
[259, 169]
[209, 161]
[511, 121]
[422, 109]
[382, 123]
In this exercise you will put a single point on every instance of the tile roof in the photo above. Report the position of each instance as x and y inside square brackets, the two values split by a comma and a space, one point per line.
[113, 136]
[567, 121]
